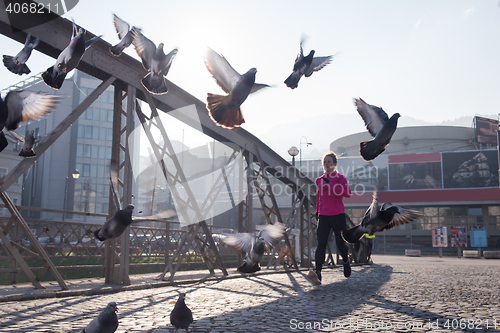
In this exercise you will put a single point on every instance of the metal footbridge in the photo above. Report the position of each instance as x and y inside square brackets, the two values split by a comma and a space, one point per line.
[124, 73]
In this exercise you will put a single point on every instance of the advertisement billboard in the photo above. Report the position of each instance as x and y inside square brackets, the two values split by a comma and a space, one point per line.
[478, 237]
[406, 176]
[458, 237]
[467, 169]
[439, 237]
[486, 130]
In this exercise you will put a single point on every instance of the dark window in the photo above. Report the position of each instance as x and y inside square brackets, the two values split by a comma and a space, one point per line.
[88, 132]
[86, 170]
[89, 113]
[475, 211]
[95, 133]
[87, 151]
[81, 131]
[96, 113]
[79, 150]
[95, 151]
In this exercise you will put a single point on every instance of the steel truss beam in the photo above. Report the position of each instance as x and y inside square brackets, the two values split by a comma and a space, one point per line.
[97, 61]
[40, 252]
[120, 152]
[175, 179]
[246, 206]
[264, 190]
[307, 230]
[50, 138]
[294, 212]
[24, 165]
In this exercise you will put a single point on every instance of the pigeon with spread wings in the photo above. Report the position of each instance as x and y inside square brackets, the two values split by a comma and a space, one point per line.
[28, 143]
[124, 34]
[116, 225]
[22, 106]
[154, 60]
[252, 248]
[379, 217]
[225, 110]
[305, 66]
[380, 126]
[17, 64]
[68, 59]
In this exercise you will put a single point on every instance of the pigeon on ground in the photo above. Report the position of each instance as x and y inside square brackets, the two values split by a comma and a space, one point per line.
[107, 322]
[253, 249]
[305, 66]
[22, 106]
[116, 225]
[225, 110]
[28, 143]
[379, 217]
[380, 126]
[155, 61]
[68, 59]
[124, 33]
[17, 64]
[181, 316]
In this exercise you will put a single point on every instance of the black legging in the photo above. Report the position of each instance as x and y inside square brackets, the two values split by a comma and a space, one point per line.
[337, 223]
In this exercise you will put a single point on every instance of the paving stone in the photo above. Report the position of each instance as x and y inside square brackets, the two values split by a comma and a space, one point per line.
[396, 291]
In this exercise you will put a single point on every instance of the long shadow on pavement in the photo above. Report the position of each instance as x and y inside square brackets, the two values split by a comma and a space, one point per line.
[294, 305]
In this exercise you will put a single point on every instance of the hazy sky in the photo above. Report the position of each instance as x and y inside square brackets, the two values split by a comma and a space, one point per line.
[431, 60]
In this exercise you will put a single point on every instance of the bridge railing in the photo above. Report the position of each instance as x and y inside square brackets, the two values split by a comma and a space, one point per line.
[76, 253]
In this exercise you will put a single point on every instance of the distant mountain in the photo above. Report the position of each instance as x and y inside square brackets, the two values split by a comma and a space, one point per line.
[322, 130]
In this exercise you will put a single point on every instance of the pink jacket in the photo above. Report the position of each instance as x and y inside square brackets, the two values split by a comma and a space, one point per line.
[330, 195]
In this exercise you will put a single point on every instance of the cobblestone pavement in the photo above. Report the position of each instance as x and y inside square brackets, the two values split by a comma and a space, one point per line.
[396, 294]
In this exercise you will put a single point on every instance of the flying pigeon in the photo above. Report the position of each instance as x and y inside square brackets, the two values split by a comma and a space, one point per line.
[305, 66]
[253, 249]
[17, 64]
[116, 225]
[28, 143]
[225, 110]
[181, 316]
[378, 218]
[68, 59]
[107, 322]
[124, 33]
[155, 61]
[22, 106]
[380, 126]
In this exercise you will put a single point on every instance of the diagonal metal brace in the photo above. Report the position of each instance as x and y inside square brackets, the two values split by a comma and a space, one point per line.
[34, 241]
[275, 208]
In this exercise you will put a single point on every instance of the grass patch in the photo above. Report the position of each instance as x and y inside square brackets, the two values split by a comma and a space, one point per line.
[73, 267]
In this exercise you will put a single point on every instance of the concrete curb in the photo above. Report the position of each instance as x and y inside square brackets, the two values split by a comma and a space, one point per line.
[110, 289]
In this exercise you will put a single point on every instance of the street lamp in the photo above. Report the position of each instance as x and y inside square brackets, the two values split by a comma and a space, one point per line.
[293, 151]
[307, 145]
[75, 176]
